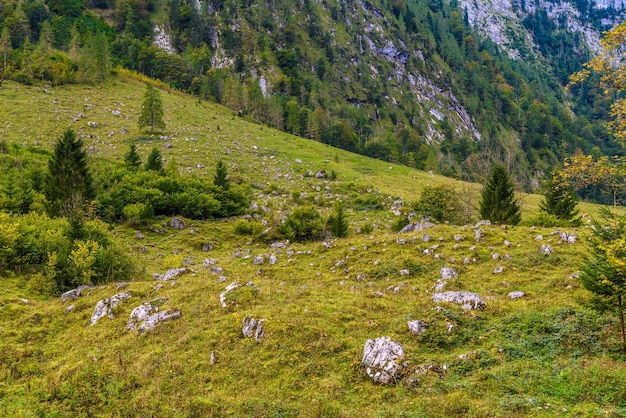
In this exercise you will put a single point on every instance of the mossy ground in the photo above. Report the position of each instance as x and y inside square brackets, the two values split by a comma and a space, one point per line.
[542, 355]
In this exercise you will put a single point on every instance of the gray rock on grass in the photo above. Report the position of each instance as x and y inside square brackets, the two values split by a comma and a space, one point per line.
[516, 295]
[417, 327]
[105, 306]
[171, 274]
[468, 300]
[383, 359]
[74, 293]
[253, 328]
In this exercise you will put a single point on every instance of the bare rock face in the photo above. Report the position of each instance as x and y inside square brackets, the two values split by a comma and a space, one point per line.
[417, 227]
[468, 300]
[253, 328]
[382, 359]
[105, 306]
[171, 274]
[417, 327]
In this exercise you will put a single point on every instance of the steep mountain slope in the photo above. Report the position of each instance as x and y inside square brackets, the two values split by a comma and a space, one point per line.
[411, 82]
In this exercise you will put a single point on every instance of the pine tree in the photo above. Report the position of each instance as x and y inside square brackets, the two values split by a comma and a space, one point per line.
[155, 161]
[220, 178]
[559, 200]
[132, 158]
[68, 180]
[498, 202]
[151, 110]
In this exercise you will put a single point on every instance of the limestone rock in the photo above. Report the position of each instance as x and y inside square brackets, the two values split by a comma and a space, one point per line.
[104, 307]
[448, 273]
[546, 249]
[498, 270]
[516, 295]
[171, 274]
[426, 238]
[539, 237]
[480, 224]
[177, 223]
[382, 359]
[417, 327]
[272, 260]
[229, 289]
[416, 227]
[253, 328]
[404, 272]
[258, 260]
[569, 238]
[74, 293]
[468, 300]
[147, 316]
[459, 238]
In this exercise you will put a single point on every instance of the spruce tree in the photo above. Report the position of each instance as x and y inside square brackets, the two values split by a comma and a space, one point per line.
[155, 161]
[151, 116]
[220, 178]
[498, 202]
[68, 180]
[132, 158]
[559, 200]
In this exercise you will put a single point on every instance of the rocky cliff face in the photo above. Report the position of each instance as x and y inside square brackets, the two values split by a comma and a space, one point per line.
[501, 21]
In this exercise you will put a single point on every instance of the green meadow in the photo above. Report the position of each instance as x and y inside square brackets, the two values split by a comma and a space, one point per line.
[545, 354]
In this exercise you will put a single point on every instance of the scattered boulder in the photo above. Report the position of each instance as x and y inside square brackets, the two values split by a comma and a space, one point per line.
[105, 306]
[468, 300]
[478, 234]
[484, 222]
[426, 238]
[74, 293]
[404, 272]
[507, 243]
[417, 327]
[516, 295]
[546, 249]
[539, 237]
[207, 247]
[177, 223]
[382, 359]
[569, 238]
[253, 328]
[498, 270]
[416, 227]
[320, 174]
[448, 273]
[459, 238]
[143, 319]
[272, 260]
[171, 274]
[258, 260]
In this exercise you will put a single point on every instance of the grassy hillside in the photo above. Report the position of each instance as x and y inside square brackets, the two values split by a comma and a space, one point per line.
[541, 355]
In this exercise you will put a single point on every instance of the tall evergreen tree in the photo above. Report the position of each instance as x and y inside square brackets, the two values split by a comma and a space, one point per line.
[498, 203]
[68, 180]
[151, 110]
[5, 50]
[155, 161]
[132, 158]
[220, 178]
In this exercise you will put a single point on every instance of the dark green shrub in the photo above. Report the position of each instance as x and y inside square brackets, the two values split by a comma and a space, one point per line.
[251, 228]
[338, 224]
[439, 203]
[303, 224]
